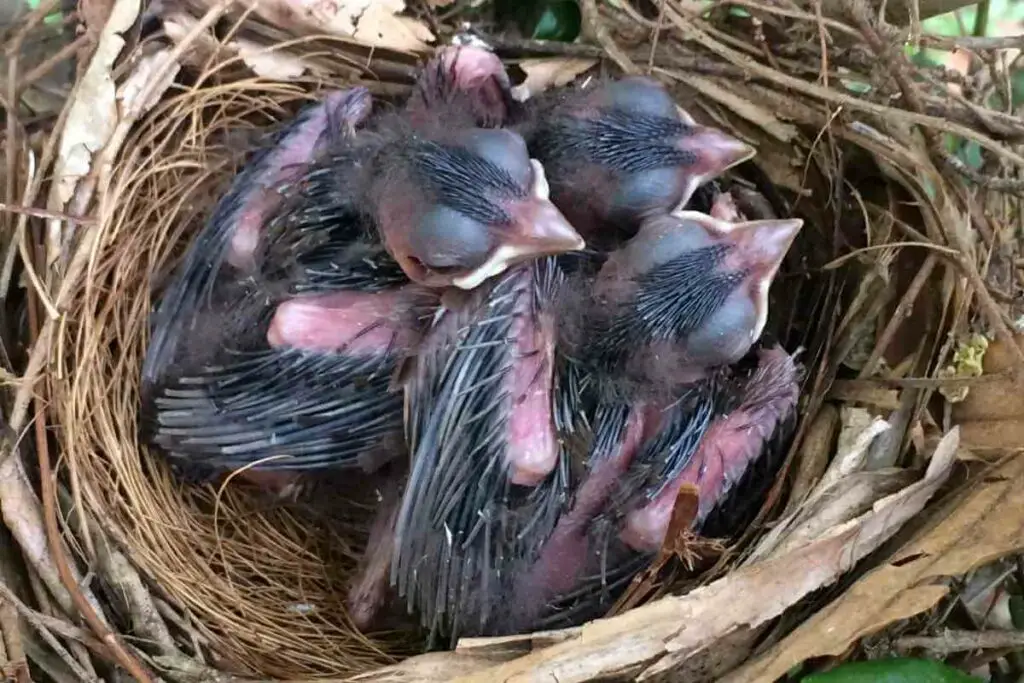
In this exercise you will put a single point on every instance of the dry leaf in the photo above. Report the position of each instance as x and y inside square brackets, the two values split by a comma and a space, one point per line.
[92, 119]
[826, 499]
[853, 497]
[269, 63]
[999, 398]
[865, 392]
[153, 75]
[178, 25]
[991, 416]
[379, 26]
[815, 453]
[993, 436]
[1000, 357]
[94, 13]
[554, 72]
[93, 114]
[427, 668]
[985, 524]
[669, 631]
[858, 431]
[373, 22]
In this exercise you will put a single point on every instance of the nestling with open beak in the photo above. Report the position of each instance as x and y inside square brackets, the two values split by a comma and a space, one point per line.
[621, 151]
[646, 376]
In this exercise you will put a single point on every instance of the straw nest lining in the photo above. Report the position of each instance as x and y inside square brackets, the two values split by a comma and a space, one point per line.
[262, 591]
[266, 583]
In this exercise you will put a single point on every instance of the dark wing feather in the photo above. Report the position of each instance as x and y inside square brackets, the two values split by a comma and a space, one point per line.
[315, 409]
[322, 237]
[662, 458]
[464, 529]
[191, 288]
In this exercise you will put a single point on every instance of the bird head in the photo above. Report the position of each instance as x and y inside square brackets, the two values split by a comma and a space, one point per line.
[459, 209]
[687, 293]
[623, 151]
[463, 82]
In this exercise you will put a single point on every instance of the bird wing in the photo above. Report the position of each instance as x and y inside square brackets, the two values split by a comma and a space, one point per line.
[276, 409]
[463, 527]
[250, 199]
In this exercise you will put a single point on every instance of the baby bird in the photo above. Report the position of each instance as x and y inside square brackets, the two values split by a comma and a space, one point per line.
[513, 406]
[292, 368]
[484, 449]
[599, 545]
[622, 151]
[208, 340]
[469, 85]
[762, 403]
[645, 380]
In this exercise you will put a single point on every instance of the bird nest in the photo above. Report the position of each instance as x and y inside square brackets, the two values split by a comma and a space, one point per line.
[903, 256]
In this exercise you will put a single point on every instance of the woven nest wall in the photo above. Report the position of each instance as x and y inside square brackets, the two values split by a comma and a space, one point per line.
[265, 584]
[199, 581]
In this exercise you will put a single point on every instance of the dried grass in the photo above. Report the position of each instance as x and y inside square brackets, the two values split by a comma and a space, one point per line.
[906, 250]
[247, 575]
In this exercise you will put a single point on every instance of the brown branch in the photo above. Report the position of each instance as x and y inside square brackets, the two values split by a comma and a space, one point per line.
[861, 14]
[46, 66]
[47, 485]
[691, 32]
[902, 312]
[43, 213]
[598, 30]
[963, 641]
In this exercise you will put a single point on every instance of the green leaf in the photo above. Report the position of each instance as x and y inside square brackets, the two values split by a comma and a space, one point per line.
[558, 21]
[897, 670]
[1017, 611]
[950, 142]
[1017, 85]
[970, 154]
[928, 57]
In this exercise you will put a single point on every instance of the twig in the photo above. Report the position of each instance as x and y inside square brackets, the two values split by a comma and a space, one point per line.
[655, 35]
[512, 47]
[14, 649]
[903, 309]
[853, 102]
[47, 485]
[46, 66]
[44, 625]
[975, 43]
[861, 13]
[963, 641]
[44, 621]
[43, 213]
[597, 29]
[835, 263]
